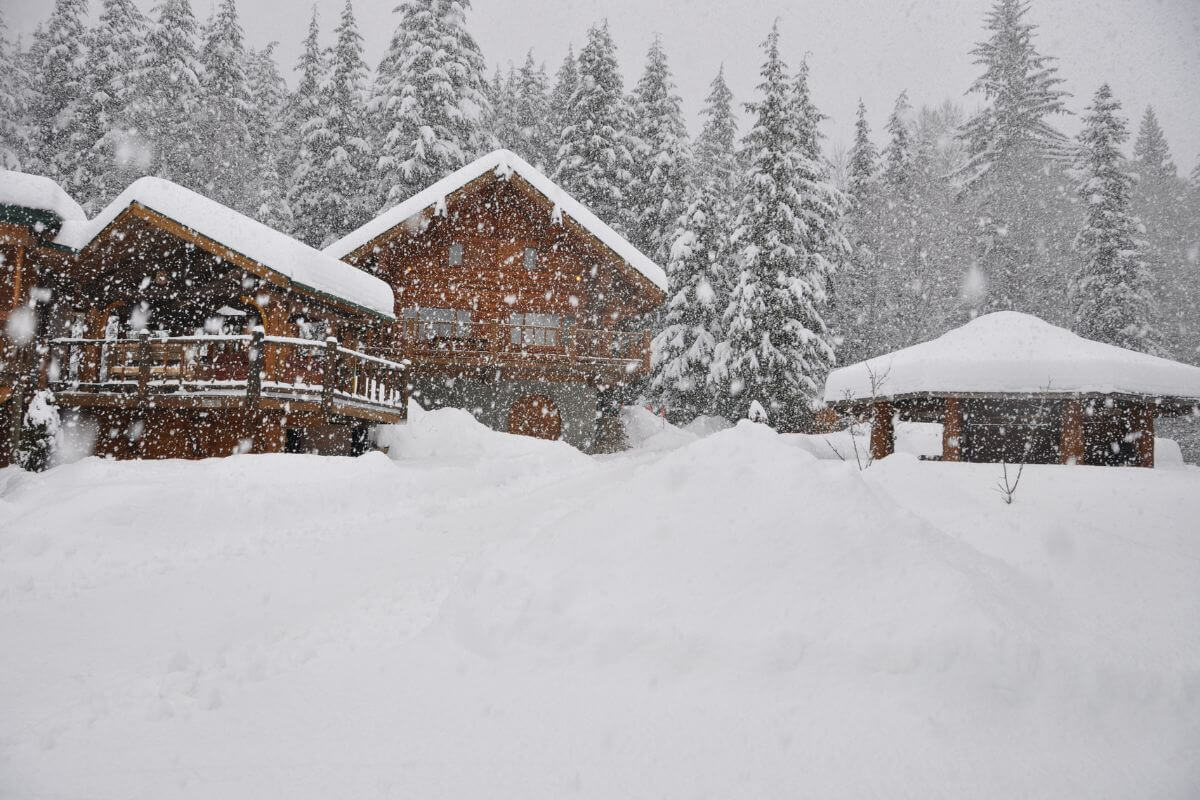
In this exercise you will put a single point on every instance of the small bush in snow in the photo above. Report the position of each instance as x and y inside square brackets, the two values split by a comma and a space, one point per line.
[39, 433]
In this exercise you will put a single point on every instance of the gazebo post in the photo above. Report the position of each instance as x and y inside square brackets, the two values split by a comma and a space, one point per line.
[1143, 420]
[952, 430]
[1070, 447]
[883, 440]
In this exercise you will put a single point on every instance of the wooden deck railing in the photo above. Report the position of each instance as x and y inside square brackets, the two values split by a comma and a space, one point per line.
[253, 366]
[506, 341]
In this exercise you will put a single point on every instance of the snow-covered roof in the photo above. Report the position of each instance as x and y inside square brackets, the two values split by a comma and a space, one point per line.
[1012, 353]
[504, 164]
[277, 251]
[39, 193]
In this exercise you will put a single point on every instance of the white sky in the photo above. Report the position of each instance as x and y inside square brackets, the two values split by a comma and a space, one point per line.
[1149, 50]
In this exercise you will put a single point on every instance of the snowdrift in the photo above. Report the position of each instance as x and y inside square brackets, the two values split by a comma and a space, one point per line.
[486, 615]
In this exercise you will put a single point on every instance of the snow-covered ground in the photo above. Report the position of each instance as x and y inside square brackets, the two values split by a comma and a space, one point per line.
[713, 614]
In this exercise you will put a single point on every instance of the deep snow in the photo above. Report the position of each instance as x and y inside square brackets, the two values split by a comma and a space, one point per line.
[478, 615]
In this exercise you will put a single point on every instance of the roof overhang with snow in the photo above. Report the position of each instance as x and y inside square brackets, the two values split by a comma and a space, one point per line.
[503, 165]
[237, 238]
[1008, 354]
[34, 200]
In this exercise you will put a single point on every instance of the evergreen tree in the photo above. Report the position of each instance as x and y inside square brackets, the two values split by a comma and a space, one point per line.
[594, 157]
[267, 140]
[12, 108]
[168, 98]
[900, 155]
[566, 81]
[1111, 289]
[502, 99]
[864, 158]
[1010, 176]
[306, 194]
[777, 348]
[1151, 151]
[58, 136]
[698, 271]
[227, 107]
[662, 158]
[116, 154]
[535, 139]
[429, 100]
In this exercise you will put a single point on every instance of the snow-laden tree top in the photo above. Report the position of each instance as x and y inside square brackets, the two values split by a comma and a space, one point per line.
[504, 164]
[294, 260]
[37, 193]
[1012, 353]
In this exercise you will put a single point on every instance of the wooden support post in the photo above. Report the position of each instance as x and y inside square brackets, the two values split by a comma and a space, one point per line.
[646, 347]
[143, 352]
[883, 438]
[952, 430]
[1143, 419]
[254, 368]
[1070, 446]
[329, 375]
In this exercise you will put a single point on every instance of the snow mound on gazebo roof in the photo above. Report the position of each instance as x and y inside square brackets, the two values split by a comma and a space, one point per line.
[301, 264]
[1012, 353]
[37, 192]
[504, 163]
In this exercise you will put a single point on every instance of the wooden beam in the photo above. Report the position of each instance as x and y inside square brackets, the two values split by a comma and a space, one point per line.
[1143, 419]
[883, 435]
[952, 430]
[1070, 446]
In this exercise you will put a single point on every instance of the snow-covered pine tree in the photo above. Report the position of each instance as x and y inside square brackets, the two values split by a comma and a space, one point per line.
[116, 154]
[226, 109]
[12, 108]
[662, 158]
[1111, 290]
[1010, 175]
[777, 348]
[267, 139]
[58, 138]
[346, 168]
[536, 142]
[306, 195]
[698, 271]
[168, 97]
[429, 99]
[864, 158]
[502, 99]
[566, 81]
[899, 157]
[1151, 151]
[594, 155]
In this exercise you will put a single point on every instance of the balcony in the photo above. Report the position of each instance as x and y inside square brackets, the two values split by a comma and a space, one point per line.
[529, 352]
[249, 371]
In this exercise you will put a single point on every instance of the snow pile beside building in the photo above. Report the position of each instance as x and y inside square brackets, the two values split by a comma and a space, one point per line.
[729, 618]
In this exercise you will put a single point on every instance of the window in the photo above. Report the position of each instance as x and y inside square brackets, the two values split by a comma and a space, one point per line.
[438, 323]
[456, 254]
[531, 258]
[540, 330]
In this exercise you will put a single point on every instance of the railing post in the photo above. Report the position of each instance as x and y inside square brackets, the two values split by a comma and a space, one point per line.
[646, 345]
[329, 375]
[143, 351]
[254, 364]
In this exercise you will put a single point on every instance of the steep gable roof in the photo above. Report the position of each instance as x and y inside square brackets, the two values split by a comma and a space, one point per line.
[504, 164]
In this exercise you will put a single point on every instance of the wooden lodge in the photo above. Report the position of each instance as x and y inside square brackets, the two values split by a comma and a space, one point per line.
[175, 327]
[1008, 387]
[511, 299]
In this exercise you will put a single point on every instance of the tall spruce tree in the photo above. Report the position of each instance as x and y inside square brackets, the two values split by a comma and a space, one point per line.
[1111, 290]
[777, 348]
[661, 159]
[1011, 177]
[864, 158]
[429, 99]
[594, 156]
[566, 81]
[58, 132]
[1151, 151]
[116, 152]
[12, 106]
[169, 95]
[267, 139]
[306, 192]
[698, 270]
[226, 111]
[535, 141]
[899, 157]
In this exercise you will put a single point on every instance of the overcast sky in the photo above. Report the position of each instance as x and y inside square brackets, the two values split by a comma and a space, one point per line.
[1149, 50]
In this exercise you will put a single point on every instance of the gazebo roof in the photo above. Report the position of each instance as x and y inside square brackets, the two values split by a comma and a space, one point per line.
[1008, 353]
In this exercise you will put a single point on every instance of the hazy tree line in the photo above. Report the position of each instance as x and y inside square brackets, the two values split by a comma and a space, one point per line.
[782, 260]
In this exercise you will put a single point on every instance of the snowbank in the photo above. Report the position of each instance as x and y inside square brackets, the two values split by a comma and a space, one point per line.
[1009, 352]
[645, 430]
[912, 438]
[39, 193]
[729, 618]
[504, 164]
[281, 253]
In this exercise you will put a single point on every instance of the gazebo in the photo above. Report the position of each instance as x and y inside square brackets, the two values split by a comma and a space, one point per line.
[1012, 387]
